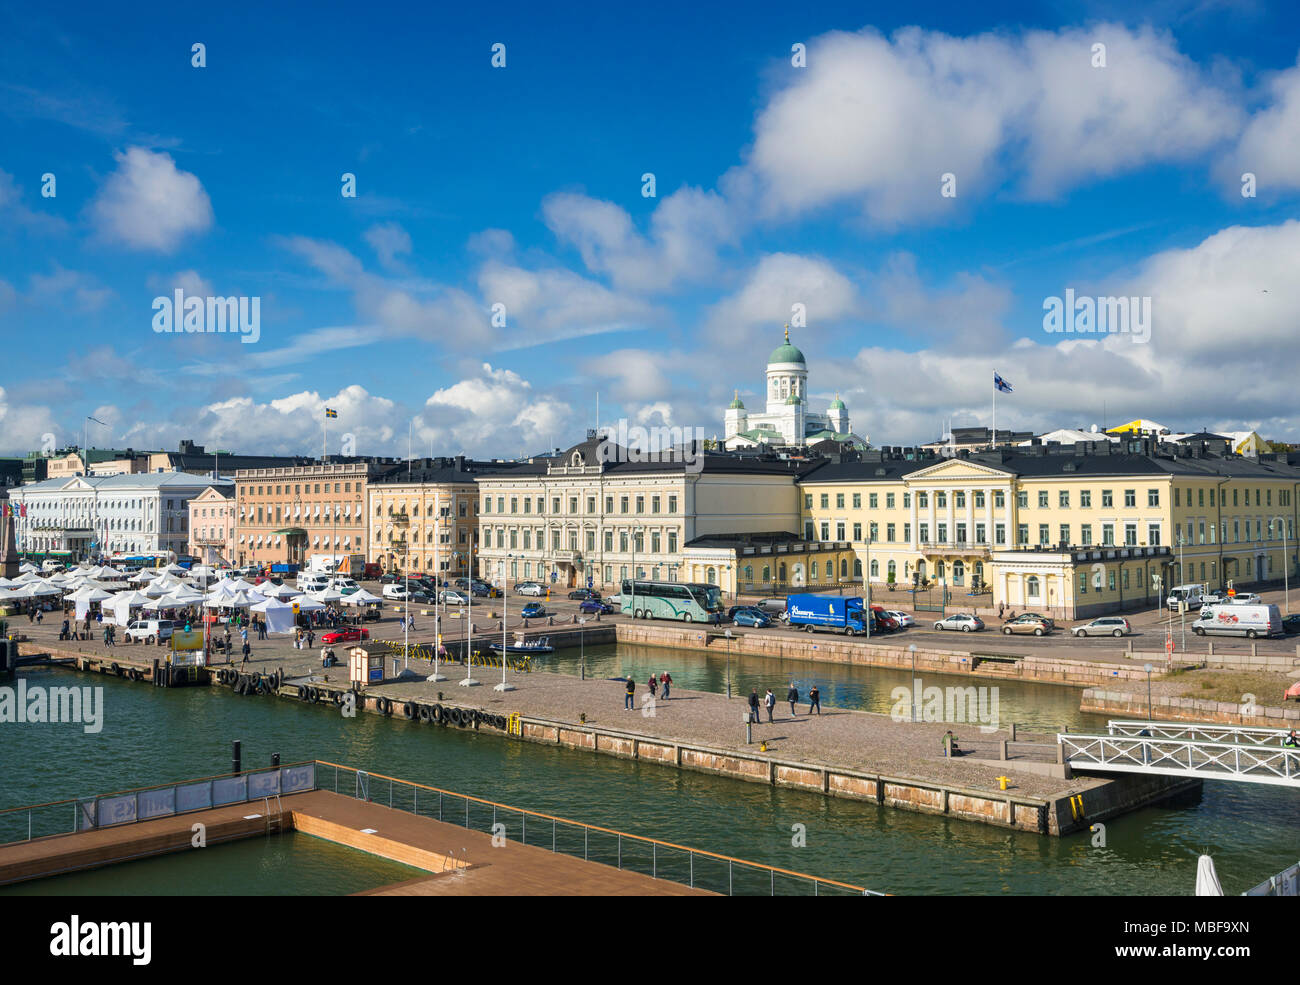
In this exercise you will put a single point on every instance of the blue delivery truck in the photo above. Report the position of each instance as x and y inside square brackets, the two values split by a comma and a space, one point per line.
[844, 614]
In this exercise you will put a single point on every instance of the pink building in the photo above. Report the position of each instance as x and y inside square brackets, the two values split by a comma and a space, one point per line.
[212, 526]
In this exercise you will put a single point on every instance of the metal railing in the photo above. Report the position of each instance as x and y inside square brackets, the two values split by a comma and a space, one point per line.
[1180, 757]
[1199, 733]
[63, 817]
[649, 856]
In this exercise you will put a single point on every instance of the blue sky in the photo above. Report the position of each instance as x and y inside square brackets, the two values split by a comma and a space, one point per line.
[776, 185]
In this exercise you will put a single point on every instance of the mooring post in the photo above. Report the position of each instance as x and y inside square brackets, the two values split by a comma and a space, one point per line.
[235, 767]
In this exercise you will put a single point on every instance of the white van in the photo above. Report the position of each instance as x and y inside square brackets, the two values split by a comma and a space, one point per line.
[1238, 620]
[1193, 595]
[49, 567]
[313, 581]
[344, 584]
[149, 630]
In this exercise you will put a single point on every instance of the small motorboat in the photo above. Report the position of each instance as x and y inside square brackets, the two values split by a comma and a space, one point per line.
[539, 645]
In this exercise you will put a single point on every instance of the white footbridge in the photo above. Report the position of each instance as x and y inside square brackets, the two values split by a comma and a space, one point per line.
[1195, 751]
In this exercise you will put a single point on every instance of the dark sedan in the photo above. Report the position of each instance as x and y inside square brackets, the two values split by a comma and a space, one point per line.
[578, 594]
[751, 617]
[533, 610]
[594, 605]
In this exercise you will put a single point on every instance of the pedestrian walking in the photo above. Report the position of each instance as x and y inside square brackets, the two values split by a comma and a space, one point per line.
[628, 704]
[247, 650]
[814, 701]
[753, 705]
[769, 701]
[227, 643]
[651, 684]
[792, 696]
[665, 682]
[31, 614]
[40, 615]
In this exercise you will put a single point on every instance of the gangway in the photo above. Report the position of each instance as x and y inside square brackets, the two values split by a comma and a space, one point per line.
[1249, 760]
[1195, 732]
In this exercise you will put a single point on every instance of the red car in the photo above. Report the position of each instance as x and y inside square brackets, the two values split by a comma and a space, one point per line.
[348, 634]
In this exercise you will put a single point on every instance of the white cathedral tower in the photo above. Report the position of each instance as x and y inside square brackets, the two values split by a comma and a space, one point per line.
[786, 419]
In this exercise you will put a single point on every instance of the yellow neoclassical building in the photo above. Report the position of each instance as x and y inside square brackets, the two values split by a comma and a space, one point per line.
[1070, 530]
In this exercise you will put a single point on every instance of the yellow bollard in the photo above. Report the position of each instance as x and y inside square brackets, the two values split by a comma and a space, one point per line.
[1002, 782]
[762, 747]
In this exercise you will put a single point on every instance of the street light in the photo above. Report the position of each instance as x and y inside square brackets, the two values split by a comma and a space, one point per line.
[728, 664]
[582, 649]
[912, 648]
[1148, 669]
[501, 567]
[469, 620]
[437, 585]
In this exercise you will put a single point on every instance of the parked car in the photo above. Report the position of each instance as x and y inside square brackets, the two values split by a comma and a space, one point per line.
[1028, 623]
[150, 630]
[1291, 624]
[884, 622]
[595, 605]
[904, 619]
[348, 634]
[774, 605]
[532, 610]
[963, 621]
[392, 578]
[453, 597]
[755, 618]
[530, 588]
[1244, 598]
[395, 590]
[584, 593]
[1104, 626]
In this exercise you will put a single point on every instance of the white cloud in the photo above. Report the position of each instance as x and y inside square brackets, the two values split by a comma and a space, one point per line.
[68, 288]
[686, 231]
[22, 427]
[764, 302]
[497, 412]
[877, 121]
[150, 204]
[389, 241]
[188, 281]
[1270, 145]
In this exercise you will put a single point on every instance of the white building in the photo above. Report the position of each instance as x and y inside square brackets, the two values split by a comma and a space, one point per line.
[787, 419]
[101, 515]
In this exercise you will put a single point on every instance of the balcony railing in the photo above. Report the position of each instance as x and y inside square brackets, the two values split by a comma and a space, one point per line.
[955, 547]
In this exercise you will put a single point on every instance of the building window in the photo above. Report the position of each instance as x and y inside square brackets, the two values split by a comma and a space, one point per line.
[979, 501]
[981, 534]
[1106, 499]
[873, 500]
[941, 500]
[1153, 497]
[807, 501]
[857, 531]
[1063, 499]
[999, 533]
[1130, 497]
[1022, 534]
[825, 501]
[889, 532]
[839, 530]
[1022, 499]
[922, 501]
[672, 504]
[907, 532]
[874, 532]
[889, 501]
[907, 500]
[826, 530]
[839, 500]
[875, 568]
[1031, 587]
[1065, 533]
[924, 529]
[1153, 534]
[1130, 534]
[959, 500]
[1044, 534]
[1108, 535]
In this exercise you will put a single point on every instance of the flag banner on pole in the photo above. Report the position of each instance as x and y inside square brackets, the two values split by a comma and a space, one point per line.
[1000, 384]
[331, 412]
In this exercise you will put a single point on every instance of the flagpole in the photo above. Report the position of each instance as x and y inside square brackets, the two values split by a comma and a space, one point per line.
[995, 408]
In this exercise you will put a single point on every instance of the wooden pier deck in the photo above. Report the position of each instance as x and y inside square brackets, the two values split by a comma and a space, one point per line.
[461, 862]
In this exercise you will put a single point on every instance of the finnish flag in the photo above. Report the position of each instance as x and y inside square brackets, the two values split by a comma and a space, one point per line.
[1000, 384]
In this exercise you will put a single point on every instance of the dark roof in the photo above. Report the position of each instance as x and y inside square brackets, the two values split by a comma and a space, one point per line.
[617, 459]
[1099, 459]
[444, 470]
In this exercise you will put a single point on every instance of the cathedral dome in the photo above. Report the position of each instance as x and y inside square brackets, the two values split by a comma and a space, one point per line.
[786, 353]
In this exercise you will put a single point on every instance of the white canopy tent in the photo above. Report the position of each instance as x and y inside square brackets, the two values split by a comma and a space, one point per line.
[122, 604]
[280, 592]
[142, 576]
[279, 615]
[361, 597]
[27, 568]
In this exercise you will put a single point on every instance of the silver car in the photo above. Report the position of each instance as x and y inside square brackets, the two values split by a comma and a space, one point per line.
[452, 597]
[963, 621]
[530, 588]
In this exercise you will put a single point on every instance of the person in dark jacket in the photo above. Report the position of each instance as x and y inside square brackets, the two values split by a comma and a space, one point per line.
[792, 696]
[769, 702]
[628, 703]
[753, 705]
[814, 701]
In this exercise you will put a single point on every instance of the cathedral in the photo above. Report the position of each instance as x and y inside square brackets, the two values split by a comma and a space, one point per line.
[787, 420]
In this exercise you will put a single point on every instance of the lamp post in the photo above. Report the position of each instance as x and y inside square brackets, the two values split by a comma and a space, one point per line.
[582, 649]
[468, 680]
[866, 581]
[501, 567]
[1148, 668]
[912, 648]
[438, 586]
[728, 664]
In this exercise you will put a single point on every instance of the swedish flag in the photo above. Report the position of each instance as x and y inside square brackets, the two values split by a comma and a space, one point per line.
[331, 412]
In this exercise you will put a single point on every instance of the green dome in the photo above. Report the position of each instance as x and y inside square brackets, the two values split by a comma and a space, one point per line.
[786, 353]
[794, 397]
[737, 404]
[837, 403]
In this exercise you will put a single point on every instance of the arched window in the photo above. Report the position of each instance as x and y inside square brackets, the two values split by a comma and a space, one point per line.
[891, 570]
[958, 573]
[1031, 587]
[920, 568]
[844, 568]
[875, 569]
[711, 576]
[830, 570]
[749, 572]
[780, 572]
[938, 569]
[857, 567]
[796, 575]
[767, 572]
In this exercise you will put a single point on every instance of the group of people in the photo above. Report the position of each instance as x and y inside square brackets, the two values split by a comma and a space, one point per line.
[791, 695]
[664, 683]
